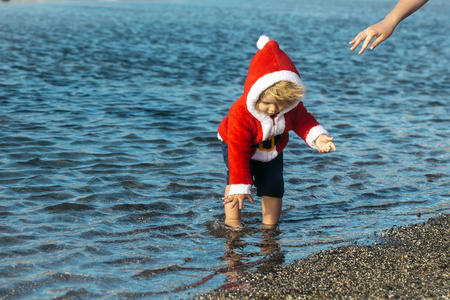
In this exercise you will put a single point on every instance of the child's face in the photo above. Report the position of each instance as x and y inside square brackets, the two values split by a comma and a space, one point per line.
[269, 106]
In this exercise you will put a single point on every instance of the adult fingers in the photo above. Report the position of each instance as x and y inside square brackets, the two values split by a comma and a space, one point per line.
[377, 41]
[355, 42]
[358, 39]
[366, 43]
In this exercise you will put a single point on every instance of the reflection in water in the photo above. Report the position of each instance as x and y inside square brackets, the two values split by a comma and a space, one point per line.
[239, 260]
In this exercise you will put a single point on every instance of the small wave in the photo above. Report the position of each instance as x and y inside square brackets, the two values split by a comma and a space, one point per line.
[66, 206]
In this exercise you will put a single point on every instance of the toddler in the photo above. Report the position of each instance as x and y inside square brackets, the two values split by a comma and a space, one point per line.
[256, 130]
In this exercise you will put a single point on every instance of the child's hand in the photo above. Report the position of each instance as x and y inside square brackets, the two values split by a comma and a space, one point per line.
[324, 143]
[235, 199]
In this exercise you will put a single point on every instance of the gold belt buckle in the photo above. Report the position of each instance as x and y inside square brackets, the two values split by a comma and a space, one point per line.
[272, 144]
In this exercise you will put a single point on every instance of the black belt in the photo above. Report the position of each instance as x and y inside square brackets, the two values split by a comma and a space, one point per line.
[268, 144]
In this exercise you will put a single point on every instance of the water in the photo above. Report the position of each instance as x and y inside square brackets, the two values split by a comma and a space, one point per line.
[110, 171]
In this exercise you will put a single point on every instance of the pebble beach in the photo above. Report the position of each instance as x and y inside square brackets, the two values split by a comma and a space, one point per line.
[409, 262]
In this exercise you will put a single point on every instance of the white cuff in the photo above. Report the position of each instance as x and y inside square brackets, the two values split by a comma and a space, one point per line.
[240, 189]
[314, 134]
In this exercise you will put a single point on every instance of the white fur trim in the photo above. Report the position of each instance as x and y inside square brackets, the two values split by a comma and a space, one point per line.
[265, 156]
[265, 82]
[314, 134]
[280, 125]
[240, 189]
[262, 41]
[219, 137]
[268, 127]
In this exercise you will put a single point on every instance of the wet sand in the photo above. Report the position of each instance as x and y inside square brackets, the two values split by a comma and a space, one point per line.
[410, 262]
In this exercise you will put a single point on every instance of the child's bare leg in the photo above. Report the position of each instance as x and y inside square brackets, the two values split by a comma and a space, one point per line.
[271, 211]
[232, 215]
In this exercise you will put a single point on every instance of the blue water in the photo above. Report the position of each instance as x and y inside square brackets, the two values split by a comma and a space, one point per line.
[111, 175]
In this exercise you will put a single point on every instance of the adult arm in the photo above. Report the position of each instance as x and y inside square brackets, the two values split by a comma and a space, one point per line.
[383, 29]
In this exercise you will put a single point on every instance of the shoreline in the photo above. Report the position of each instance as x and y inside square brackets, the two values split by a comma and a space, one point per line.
[410, 262]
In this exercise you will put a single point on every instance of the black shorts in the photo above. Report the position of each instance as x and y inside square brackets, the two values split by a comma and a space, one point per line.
[267, 176]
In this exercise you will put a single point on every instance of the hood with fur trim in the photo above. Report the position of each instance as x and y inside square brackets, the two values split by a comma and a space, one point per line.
[269, 66]
[244, 129]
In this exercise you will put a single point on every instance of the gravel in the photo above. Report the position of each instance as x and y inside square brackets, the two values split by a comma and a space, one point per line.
[409, 262]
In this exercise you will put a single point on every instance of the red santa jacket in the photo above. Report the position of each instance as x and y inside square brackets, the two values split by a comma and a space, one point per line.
[244, 127]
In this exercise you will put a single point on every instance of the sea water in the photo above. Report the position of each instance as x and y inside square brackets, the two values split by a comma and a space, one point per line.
[111, 174]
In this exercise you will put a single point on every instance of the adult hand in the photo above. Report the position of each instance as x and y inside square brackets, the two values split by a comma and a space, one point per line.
[384, 29]
[381, 31]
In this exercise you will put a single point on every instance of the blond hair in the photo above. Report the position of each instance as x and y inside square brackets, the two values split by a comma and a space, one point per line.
[286, 92]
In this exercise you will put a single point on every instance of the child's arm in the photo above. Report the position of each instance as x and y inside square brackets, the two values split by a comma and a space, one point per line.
[382, 30]
[324, 143]
[239, 155]
[306, 126]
